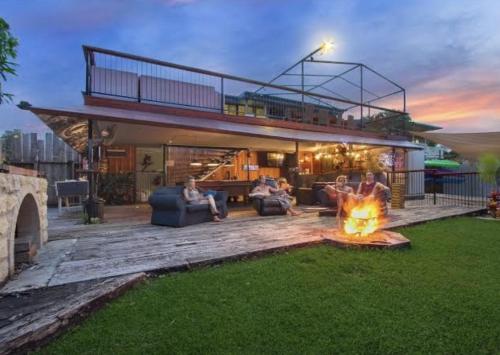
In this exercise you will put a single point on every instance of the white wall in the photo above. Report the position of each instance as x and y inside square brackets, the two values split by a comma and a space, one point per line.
[415, 186]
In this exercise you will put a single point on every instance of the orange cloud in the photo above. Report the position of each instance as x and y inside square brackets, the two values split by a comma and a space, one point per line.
[464, 101]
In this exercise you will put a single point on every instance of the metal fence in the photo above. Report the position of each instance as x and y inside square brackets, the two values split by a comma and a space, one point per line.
[432, 187]
[140, 79]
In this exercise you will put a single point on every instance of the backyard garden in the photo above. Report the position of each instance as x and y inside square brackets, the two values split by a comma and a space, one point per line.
[440, 296]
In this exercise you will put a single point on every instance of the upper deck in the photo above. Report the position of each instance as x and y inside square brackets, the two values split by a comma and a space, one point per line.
[130, 78]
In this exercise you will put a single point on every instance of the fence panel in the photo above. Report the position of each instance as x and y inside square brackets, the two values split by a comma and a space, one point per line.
[432, 187]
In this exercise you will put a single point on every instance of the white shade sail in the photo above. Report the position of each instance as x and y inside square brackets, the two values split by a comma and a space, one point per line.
[469, 145]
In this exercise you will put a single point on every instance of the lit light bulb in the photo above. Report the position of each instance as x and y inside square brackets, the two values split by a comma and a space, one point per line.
[326, 46]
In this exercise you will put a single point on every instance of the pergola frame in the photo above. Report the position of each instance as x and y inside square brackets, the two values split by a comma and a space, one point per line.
[364, 102]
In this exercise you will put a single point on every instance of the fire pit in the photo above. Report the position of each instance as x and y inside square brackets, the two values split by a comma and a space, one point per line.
[363, 228]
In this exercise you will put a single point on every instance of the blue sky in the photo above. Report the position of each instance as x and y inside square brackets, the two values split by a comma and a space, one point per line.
[446, 53]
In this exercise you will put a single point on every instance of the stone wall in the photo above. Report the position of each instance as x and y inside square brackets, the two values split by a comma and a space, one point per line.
[23, 215]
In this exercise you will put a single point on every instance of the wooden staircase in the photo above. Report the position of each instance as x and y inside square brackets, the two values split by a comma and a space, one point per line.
[210, 160]
[221, 162]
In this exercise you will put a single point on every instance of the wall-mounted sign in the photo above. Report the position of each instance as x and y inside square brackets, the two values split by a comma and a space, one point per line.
[250, 167]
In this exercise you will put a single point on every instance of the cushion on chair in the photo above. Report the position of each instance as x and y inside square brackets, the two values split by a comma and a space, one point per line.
[196, 208]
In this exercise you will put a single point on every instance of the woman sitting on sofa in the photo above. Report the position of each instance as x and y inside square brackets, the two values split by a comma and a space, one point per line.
[193, 196]
[265, 191]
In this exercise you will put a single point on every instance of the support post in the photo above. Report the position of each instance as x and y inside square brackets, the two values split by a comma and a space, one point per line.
[295, 176]
[361, 95]
[88, 77]
[302, 87]
[434, 199]
[90, 168]
[222, 95]
[248, 166]
[164, 151]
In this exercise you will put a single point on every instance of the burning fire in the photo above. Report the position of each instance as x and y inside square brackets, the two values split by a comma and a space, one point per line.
[363, 218]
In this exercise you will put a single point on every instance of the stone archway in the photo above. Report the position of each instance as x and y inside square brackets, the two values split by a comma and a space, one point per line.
[23, 216]
[27, 236]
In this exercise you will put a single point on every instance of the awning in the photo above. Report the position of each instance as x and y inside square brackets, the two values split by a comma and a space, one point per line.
[469, 145]
[139, 127]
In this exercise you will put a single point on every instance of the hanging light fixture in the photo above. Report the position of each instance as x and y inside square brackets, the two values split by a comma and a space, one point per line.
[213, 163]
[195, 163]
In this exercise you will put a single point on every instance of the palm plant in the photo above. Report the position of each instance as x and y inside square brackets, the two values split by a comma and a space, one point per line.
[489, 169]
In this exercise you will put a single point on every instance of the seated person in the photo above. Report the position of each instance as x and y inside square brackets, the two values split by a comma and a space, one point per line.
[284, 186]
[265, 191]
[344, 194]
[193, 196]
[373, 189]
[370, 187]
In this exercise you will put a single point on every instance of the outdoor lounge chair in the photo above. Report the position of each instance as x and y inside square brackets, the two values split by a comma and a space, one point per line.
[267, 206]
[170, 208]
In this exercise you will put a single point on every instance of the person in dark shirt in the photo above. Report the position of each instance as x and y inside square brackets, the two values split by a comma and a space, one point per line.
[370, 187]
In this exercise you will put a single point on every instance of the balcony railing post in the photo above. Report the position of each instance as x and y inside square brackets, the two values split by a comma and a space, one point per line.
[138, 88]
[88, 77]
[222, 95]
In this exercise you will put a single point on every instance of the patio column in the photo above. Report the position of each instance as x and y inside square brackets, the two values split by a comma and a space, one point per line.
[297, 160]
[294, 171]
[90, 165]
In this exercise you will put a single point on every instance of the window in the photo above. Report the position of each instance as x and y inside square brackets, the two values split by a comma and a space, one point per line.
[230, 109]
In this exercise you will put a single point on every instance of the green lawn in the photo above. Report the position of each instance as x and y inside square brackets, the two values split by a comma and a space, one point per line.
[442, 296]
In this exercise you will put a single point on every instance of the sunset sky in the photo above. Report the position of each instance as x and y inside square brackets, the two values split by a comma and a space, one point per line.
[447, 55]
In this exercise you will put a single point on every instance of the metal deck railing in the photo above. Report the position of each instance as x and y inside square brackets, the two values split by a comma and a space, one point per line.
[140, 79]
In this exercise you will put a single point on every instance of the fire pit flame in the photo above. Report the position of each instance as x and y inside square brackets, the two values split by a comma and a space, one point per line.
[363, 218]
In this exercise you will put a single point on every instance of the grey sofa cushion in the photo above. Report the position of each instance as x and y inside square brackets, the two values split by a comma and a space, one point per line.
[196, 208]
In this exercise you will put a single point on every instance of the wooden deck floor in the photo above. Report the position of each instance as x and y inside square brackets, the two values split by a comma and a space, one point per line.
[127, 243]
[86, 265]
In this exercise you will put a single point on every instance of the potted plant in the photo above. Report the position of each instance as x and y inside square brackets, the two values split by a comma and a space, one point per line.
[489, 170]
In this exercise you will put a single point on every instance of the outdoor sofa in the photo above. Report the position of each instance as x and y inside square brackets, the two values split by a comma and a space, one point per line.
[171, 209]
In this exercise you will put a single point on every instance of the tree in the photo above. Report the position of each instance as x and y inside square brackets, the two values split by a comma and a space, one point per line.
[8, 144]
[489, 169]
[8, 52]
